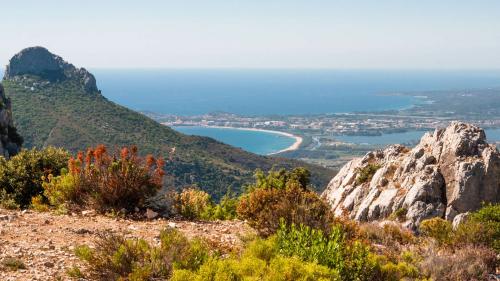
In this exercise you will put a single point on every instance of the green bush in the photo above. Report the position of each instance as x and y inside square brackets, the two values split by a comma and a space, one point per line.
[117, 258]
[13, 264]
[366, 173]
[267, 267]
[481, 228]
[283, 195]
[399, 215]
[226, 209]
[439, 229]
[21, 177]
[351, 261]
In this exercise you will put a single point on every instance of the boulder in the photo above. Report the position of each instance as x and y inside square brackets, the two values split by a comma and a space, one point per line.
[449, 173]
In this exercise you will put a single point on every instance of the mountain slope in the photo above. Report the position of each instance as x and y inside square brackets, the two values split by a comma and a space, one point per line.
[62, 108]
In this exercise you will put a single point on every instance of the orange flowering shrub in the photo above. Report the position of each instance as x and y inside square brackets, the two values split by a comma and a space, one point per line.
[115, 181]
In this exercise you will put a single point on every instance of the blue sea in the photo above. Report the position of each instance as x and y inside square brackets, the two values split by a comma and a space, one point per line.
[283, 92]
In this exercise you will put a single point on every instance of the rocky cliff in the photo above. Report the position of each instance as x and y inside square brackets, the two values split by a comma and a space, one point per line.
[40, 62]
[449, 173]
[10, 141]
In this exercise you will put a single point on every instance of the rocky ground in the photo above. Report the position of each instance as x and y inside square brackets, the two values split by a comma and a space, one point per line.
[45, 242]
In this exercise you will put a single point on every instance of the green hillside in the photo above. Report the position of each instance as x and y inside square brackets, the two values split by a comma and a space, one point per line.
[63, 114]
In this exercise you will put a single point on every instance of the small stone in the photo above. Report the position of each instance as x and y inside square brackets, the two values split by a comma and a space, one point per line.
[88, 213]
[48, 264]
[150, 214]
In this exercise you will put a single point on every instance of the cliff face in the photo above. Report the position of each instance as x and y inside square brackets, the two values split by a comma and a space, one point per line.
[449, 173]
[40, 62]
[10, 141]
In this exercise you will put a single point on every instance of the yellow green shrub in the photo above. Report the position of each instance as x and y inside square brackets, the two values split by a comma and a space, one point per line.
[437, 228]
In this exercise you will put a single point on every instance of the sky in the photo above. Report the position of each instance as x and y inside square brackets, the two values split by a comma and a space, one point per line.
[353, 34]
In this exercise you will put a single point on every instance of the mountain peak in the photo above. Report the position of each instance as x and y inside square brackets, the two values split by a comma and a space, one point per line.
[41, 62]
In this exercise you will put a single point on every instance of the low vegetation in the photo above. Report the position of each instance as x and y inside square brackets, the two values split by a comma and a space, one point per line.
[282, 195]
[106, 181]
[366, 173]
[10, 263]
[298, 236]
[481, 229]
[21, 177]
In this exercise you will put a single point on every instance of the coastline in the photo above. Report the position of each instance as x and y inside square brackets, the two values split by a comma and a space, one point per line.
[294, 146]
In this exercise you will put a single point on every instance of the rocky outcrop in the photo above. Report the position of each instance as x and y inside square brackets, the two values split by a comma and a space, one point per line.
[40, 62]
[449, 173]
[10, 141]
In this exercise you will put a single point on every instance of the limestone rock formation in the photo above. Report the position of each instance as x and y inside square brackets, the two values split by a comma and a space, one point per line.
[450, 172]
[10, 141]
[40, 62]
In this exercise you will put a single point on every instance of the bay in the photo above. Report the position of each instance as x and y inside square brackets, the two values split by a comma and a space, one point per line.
[258, 142]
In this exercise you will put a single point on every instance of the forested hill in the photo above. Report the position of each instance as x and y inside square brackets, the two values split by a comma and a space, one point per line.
[55, 103]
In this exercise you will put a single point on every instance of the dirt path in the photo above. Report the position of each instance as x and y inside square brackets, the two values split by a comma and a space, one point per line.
[45, 242]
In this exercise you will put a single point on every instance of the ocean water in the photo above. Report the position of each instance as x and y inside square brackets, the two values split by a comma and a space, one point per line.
[258, 142]
[283, 92]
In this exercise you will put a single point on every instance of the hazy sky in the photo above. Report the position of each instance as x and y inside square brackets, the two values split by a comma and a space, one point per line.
[257, 33]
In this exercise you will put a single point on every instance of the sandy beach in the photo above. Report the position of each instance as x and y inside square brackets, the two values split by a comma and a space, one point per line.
[294, 146]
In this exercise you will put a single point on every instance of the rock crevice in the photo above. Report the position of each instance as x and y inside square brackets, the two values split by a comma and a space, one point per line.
[450, 172]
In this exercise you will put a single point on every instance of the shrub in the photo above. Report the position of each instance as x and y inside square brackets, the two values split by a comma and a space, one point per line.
[226, 209]
[257, 264]
[116, 258]
[107, 181]
[38, 204]
[283, 195]
[21, 176]
[399, 215]
[481, 228]
[62, 190]
[13, 263]
[7, 201]
[466, 263]
[366, 173]
[437, 228]
[192, 204]
[351, 260]
[391, 237]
